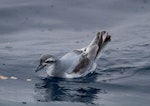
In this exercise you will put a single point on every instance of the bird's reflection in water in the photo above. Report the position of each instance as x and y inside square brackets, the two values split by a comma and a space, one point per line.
[71, 90]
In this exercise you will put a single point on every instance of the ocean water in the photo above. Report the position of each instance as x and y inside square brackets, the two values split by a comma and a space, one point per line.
[30, 28]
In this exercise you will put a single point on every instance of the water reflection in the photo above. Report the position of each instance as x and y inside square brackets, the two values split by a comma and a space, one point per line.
[71, 90]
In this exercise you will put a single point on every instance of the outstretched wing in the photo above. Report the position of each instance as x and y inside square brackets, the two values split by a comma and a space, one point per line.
[92, 52]
[81, 60]
[97, 45]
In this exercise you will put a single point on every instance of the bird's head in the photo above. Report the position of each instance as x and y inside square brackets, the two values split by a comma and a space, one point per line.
[46, 61]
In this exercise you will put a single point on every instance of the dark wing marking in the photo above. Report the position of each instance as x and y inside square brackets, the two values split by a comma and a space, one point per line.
[82, 66]
[101, 43]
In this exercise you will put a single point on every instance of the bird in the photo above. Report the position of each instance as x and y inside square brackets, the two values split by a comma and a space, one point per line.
[78, 62]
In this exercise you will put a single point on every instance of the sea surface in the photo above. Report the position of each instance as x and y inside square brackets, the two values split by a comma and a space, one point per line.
[30, 28]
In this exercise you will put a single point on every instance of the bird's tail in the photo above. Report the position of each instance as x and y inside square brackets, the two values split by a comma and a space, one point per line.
[97, 44]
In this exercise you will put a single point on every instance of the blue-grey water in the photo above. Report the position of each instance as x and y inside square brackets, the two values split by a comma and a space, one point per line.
[30, 28]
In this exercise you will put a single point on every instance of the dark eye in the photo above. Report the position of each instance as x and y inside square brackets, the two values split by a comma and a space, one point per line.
[48, 61]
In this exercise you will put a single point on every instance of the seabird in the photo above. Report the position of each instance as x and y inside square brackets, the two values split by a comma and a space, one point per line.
[76, 63]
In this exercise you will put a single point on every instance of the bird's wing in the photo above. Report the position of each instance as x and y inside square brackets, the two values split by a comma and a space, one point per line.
[70, 60]
[97, 45]
[83, 64]
[81, 60]
[89, 54]
[75, 61]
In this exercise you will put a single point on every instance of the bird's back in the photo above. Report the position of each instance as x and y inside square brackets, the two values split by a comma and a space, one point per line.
[69, 61]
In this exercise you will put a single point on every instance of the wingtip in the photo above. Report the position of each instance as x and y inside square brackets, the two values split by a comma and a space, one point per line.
[98, 33]
[103, 32]
[108, 38]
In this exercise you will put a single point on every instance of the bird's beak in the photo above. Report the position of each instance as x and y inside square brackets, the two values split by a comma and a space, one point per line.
[40, 67]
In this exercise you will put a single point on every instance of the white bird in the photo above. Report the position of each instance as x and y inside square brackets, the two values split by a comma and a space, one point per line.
[77, 63]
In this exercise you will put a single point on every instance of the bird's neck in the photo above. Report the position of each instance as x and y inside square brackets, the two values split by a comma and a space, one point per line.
[50, 70]
[54, 71]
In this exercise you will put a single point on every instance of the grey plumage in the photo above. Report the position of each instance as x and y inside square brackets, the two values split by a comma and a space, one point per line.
[78, 62]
